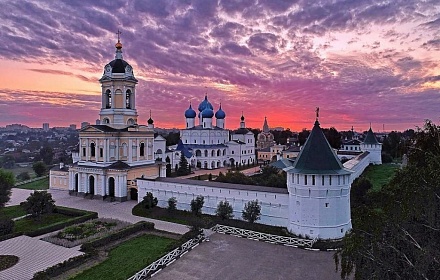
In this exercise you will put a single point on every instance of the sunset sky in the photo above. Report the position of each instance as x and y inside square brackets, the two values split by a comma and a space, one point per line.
[360, 61]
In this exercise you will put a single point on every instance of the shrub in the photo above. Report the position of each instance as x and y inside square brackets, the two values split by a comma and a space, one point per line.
[39, 203]
[251, 211]
[23, 176]
[149, 200]
[59, 268]
[224, 210]
[6, 226]
[196, 205]
[386, 158]
[172, 204]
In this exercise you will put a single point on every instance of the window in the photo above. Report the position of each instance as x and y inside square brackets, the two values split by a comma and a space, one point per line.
[84, 152]
[127, 99]
[101, 152]
[232, 152]
[92, 149]
[142, 149]
[330, 179]
[305, 180]
[108, 104]
[322, 180]
[326, 204]
[313, 180]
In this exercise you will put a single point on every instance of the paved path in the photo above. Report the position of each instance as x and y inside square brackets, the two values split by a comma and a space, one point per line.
[115, 210]
[229, 258]
[35, 255]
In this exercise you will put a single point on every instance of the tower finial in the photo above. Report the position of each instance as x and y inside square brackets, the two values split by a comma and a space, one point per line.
[150, 114]
[317, 113]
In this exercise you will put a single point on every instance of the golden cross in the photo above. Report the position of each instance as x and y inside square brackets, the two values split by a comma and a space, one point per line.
[317, 112]
[119, 33]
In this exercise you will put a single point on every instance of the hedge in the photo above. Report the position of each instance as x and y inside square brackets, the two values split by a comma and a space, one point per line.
[62, 267]
[91, 245]
[61, 225]
[9, 236]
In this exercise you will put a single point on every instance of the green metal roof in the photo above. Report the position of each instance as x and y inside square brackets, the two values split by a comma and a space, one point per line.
[317, 156]
[371, 138]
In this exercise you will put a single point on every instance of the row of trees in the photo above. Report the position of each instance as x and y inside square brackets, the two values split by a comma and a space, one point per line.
[396, 230]
[250, 213]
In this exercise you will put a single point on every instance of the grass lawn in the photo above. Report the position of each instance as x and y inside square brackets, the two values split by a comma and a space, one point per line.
[28, 224]
[12, 211]
[380, 175]
[128, 258]
[42, 184]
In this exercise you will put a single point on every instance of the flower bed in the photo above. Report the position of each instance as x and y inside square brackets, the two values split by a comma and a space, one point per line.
[78, 234]
[7, 261]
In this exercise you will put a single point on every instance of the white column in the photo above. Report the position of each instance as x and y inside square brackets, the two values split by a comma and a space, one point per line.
[103, 184]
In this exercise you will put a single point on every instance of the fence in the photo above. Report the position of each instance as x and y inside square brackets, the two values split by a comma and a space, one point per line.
[167, 259]
[270, 238]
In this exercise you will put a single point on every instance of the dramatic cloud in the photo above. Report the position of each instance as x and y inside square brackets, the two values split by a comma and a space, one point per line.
[361, 61]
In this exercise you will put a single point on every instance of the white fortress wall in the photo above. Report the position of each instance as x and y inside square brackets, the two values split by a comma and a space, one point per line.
[358, 165]
[274, 202]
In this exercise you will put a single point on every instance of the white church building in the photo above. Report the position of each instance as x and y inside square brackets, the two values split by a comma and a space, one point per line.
[210, 145]
[113, 153]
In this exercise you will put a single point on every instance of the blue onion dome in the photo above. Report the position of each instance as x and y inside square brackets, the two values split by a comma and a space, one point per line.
[190, 113]
[150, 121]
[220, 114]
[242, 118]
[205, 104]
[207, 113]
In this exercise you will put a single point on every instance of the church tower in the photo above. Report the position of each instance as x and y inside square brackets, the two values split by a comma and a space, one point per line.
[319, 191]
[118, 85]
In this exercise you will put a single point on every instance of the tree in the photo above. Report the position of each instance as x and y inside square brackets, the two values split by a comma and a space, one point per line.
[333, 137]
[39, 203]
[359, 189]
[7, 181]
[197, 205]
[23, 176]
[183, 166]
[149, 201]
[46, 154]
[172, 204]
[398, 235]
[251, 211]
[39, 168]
[224, 210]
[8, 162]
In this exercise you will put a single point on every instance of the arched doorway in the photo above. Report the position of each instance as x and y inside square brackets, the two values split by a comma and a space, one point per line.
[111, 187]
[92, 185]
[133, 194]
[76, 182]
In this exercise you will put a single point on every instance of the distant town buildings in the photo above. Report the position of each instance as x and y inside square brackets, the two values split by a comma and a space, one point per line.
[265, 138]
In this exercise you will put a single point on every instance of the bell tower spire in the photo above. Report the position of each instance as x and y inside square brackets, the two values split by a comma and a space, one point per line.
[118, 91]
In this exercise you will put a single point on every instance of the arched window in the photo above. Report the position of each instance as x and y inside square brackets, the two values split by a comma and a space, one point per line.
[130, 121]
[105, 120]
[124, 150]
[92, 149]
[218, 153]
[206, 153]
[198, 153]
[142, 149]
[213, 153]
[128, 99]
[108, 94]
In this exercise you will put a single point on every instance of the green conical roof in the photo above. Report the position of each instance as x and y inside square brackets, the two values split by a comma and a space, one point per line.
[371, 138]
[317, 156]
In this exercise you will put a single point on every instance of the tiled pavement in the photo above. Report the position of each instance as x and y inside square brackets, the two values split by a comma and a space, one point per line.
[35, 255]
